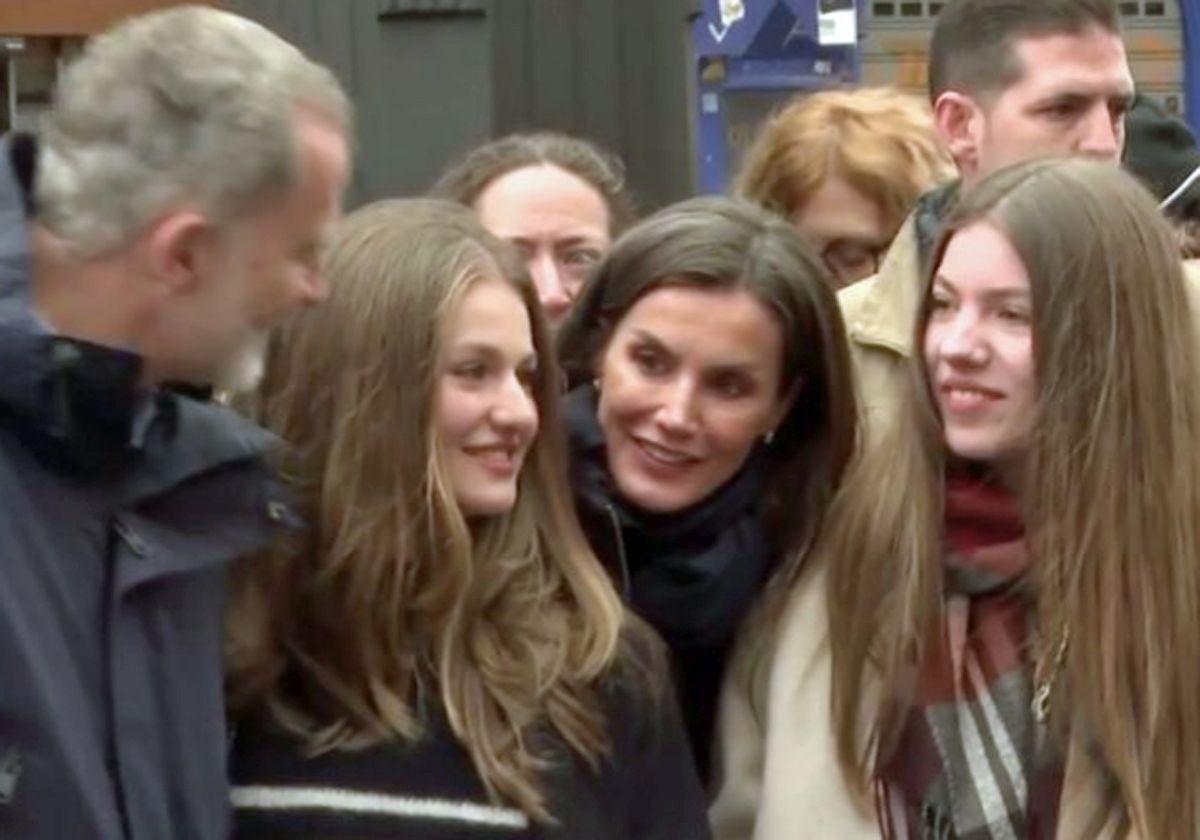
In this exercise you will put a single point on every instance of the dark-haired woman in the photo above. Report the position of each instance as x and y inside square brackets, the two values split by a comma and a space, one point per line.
[712, 421]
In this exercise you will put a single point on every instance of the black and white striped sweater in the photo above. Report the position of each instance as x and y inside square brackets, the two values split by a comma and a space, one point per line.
[646, 790]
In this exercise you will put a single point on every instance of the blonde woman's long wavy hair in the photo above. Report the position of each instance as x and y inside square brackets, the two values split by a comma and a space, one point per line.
[390, 597]
[1111, 502]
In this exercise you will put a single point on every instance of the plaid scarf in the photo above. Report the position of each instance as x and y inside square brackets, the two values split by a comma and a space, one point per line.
[971, 762]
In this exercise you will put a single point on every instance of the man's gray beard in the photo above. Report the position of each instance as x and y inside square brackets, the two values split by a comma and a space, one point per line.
[244, 370]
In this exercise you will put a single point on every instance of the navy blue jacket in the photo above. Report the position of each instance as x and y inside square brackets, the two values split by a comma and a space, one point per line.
[119, 511]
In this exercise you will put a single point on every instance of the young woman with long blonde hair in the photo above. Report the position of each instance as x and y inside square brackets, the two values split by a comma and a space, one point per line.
[1001, 637]
[437, 653]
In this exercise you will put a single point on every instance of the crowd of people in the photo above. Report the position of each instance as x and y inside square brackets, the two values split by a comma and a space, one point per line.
[861, 502]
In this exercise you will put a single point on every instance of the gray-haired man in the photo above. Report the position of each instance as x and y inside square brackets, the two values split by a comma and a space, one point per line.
[171, 210]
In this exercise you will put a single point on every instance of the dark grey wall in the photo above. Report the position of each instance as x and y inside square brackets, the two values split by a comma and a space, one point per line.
[421, 83]
[432, 78]
[612, 70]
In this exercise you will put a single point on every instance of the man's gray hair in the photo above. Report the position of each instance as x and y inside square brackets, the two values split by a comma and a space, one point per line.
[188, 105]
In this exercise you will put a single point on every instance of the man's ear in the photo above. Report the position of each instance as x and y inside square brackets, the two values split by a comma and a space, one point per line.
[181, 248]
[958, 120]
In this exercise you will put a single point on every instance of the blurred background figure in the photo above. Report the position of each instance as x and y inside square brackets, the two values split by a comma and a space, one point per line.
[561, 200]
[846, 168]
[1161, 151]
[438, 653]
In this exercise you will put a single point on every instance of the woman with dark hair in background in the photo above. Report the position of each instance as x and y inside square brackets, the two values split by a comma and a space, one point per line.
[712, 418]
[438, 653]
[998, 635]
[561, 200]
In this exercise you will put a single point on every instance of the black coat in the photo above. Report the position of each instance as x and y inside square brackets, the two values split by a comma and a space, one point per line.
[692, 575]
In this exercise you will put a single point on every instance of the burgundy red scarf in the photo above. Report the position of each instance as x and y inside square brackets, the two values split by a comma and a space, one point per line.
[971, 762]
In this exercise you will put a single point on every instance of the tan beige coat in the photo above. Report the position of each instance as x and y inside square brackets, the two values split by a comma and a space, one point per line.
[779, 774]
[779, 767]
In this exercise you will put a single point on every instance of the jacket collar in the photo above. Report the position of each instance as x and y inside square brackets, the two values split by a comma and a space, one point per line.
[79, 407]
[888, 304]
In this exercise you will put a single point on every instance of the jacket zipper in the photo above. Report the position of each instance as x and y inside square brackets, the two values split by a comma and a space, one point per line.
[626, 588]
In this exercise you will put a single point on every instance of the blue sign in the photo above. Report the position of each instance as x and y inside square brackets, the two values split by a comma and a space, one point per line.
[749, 46]
[735, 27]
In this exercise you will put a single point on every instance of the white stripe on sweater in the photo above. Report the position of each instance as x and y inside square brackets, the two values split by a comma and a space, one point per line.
[279, 798]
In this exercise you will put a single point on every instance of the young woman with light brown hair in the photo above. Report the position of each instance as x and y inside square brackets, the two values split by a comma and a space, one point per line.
[845, 167]
[437, 653]
[1001, 635]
